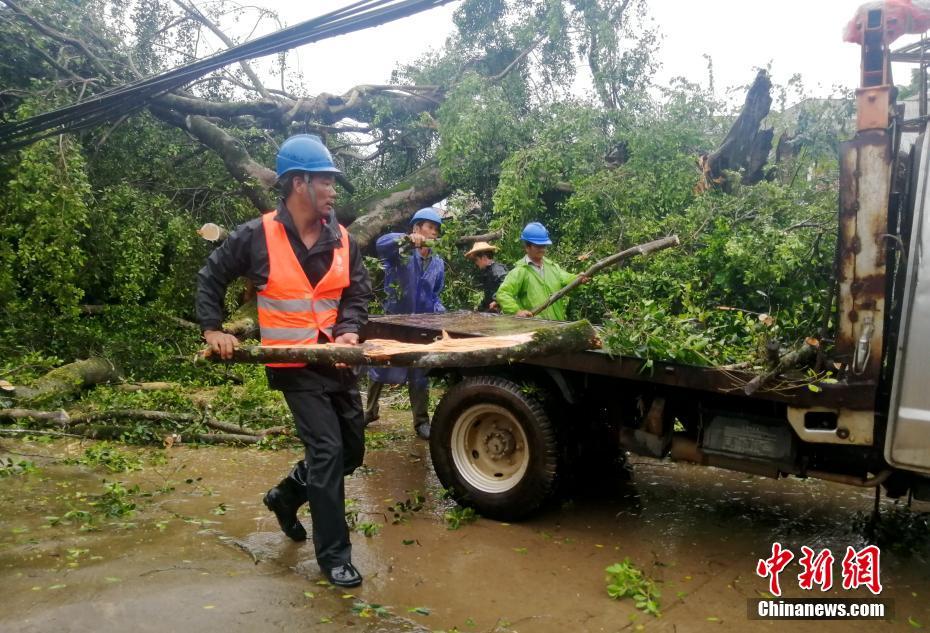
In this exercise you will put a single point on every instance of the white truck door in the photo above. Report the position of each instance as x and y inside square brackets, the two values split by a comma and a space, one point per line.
[907, 443]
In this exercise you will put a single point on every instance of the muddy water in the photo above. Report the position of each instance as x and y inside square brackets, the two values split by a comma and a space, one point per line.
[201, 552]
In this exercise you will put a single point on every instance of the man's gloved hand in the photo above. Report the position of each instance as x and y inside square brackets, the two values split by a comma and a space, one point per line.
[221, 343]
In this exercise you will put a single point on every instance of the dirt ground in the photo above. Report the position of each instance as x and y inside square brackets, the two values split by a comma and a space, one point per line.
[200, 552]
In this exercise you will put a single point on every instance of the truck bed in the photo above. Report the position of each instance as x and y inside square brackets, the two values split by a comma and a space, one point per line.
[419, 328]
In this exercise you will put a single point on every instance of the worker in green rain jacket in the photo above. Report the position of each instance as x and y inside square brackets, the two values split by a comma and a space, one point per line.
[534, 279]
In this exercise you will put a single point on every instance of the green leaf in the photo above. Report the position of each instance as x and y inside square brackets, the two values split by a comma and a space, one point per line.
[419, 610]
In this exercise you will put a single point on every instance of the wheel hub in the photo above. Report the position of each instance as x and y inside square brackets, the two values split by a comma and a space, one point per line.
[499, 444]
[489, 448]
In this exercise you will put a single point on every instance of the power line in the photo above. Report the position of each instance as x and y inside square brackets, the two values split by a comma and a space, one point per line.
[134, 96]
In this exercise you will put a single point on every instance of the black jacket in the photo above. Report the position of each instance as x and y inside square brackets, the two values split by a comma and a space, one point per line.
[491, 278]
[245, 254]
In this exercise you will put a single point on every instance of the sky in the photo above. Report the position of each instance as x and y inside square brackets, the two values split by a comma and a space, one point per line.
[793, 36]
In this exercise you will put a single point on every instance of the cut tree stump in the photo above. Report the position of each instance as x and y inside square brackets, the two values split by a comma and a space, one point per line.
[465, 352]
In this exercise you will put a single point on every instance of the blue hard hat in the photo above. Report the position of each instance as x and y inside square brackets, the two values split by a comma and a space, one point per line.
[305, 152]
[427, 213]
[535, 233]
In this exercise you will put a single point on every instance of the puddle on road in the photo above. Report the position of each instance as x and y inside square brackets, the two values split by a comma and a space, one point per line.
[201, 552]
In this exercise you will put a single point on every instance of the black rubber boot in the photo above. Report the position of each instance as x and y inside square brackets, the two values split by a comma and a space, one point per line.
[419, 406]
[344, 575]
[284, 500]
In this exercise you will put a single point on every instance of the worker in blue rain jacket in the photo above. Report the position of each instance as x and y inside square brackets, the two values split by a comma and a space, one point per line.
[412, 283]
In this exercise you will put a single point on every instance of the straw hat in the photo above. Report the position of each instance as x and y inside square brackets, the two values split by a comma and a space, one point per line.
[480, 247]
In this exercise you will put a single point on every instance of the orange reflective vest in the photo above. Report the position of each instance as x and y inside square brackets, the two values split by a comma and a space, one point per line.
[290, 310]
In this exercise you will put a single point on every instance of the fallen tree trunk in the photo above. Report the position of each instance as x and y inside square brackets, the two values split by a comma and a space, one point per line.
[745, 147]
[484, 237]
[797, 358]
[37, 432]
[466, 352]
[642, 249]
[59, 417]
[67, 381]
[372, 217]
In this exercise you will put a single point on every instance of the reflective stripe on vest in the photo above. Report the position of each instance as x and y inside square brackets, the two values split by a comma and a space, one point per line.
[291, 311]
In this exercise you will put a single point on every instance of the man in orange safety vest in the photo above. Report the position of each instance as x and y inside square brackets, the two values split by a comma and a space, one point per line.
[312, 288]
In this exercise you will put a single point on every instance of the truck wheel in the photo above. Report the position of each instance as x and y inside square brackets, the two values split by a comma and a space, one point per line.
[494, 447]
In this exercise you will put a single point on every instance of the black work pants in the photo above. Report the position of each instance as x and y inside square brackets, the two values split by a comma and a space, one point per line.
[419, 401]
[332, 427]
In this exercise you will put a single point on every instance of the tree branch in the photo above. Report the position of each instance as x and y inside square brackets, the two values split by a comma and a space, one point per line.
[255, 178]
[196, 14]
[484, 237]
[370, 217]
[326, 108]
[642, 249]
[529, 49]
[61, 37]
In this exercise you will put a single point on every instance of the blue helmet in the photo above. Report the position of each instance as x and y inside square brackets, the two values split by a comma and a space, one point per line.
[427, 213]
[535, 233]
[305, 152]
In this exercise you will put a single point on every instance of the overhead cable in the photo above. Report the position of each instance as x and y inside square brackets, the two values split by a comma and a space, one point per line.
[136, 95]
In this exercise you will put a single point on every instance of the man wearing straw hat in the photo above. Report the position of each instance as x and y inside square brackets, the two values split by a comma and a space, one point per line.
[490, 273]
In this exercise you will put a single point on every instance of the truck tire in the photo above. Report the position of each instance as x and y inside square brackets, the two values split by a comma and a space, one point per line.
[494, 447]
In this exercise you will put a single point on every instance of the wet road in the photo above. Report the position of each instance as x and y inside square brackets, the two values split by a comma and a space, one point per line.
[200, 551]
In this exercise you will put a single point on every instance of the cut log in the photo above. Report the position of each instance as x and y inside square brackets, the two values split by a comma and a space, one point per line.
[212, 232]
[616, 258]
[67, 381]
[464, 352]
[36, 432]
[147, 386]
[59, 417]
[484, 237]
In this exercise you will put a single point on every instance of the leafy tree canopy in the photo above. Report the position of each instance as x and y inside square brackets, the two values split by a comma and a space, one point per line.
[494, 120]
